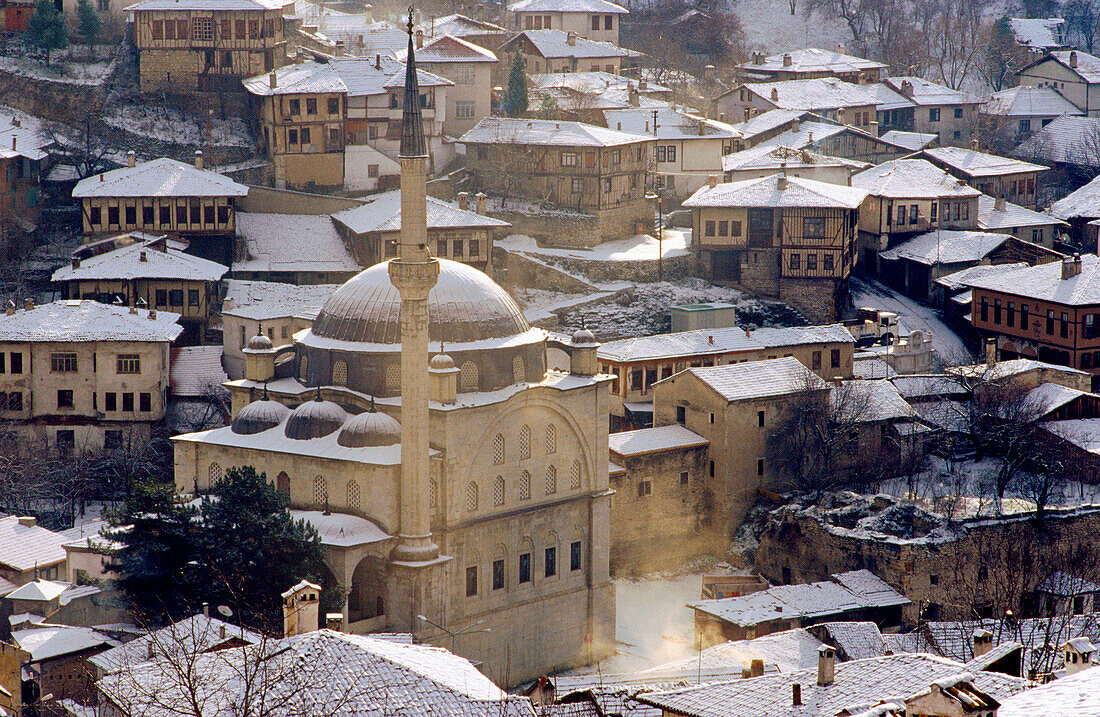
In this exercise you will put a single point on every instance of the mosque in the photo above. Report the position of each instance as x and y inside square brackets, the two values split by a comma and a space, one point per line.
[459, 485]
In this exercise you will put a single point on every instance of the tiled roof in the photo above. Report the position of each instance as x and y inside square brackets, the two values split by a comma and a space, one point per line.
[980, 164]
[766, 121]
[776, 336]
[698, 342]
[957, 280]
[888, 97]
[592, 82]
[292, 243]
[189, 636]
[1072, 696]
[358, 77]
[1012, 216]
[905, 178]
[759, 379]
[825, 93]
[927, 93]
[910, 140]
[555, 43]
[463, 26]
[195, 370]
[777, 156]
[23, 142]
[505, 130]
[786, 651]
[46, 642]
[766, 192]
[141, 261]
[1062, 141]
[1066, 585]
[1045, 283]
[654, 440]
[601, 6]
[1039, 32]
[1028, 101]
[80, 321]
[263, 300]
[382, 213]
[39, 591]
[1081, 203]
[671, 123]
[445, 48]
[855, 640]
[159, 178]
[946, 246]
[160, 5]
[813, 59]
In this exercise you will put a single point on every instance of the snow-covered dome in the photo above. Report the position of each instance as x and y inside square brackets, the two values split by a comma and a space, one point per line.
[441, 362]
[465, 305]
[259, 342]
[314, 419]
[370, 428]
[259, 416]
[583, 337]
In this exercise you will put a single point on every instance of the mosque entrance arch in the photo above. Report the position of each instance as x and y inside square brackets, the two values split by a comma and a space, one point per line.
[366, 595]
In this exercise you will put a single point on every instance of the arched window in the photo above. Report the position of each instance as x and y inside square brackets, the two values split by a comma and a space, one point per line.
[551, 480]
[575, 475]
[215, 473]
[353, 495]
[339, 373]
[498, 450]
[282, 484]
[524, 442]
[525, 486]
[551, 439]
[433, 494]
[393, 376]
[498, 491]
[519, 370]
[303, 368]
[320, 490]
[468, 376]
[471, 497]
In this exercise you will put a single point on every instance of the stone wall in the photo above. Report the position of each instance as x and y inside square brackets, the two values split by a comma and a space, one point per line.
[815, 299]
[65, 102]
[285, 201]
[514, 269]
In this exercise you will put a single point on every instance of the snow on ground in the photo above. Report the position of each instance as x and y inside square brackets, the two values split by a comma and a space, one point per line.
[912, 315]
[70, 66]
[770, 26]
[170, 125]
[540, 304]
[637, 248]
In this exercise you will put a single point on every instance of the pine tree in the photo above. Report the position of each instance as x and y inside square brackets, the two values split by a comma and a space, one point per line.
[89, 23]
[46, 29]
[514, 103]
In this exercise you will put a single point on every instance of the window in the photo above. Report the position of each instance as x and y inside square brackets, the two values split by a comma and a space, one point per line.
[813, 227]
[1050, 322]
[551, 439]
[834, 358]
[901, 214]
[158, 29]
[15, 401]
[1011, 314]
[253, 29]
[933, 212]
[203, 29]
[465, 109]
[827, 262]
[192, 297]
[760, 466]
[985, 309]
[471, 497]
[811, 262]
[311, 105]
[498, 574]
[708, 228]
[965, 210]
[595, 22]
[575, 475]
[569, 159]
[160, 297]
[165, 214]
[146, 216]
[65, 398]
[577, 185]
[334, 105]
[1024, 318]
[525, 486]
[759, 419]
[933, 114]
[524, 442]
[131, 215]
[169, 30]
[175, 297]
[815, 361]
[471, 581]
[670, 153]
[145, 402]
[61, 363]
[996, 311]
[66, 441]
[607, 185]
[96, 216]
[551, 480]
[110, 401]
[112, 215]
[525, 567]
[227, 59]
[1024, 126]
[181, 29]
[1064, 329]
[644, 488]
[196, 215]
[913, 214]
[498, 450]
[550, 563]
[608, 21]
[795, 262]
[295, 107]
[306, 139]
[372, 171]
[723, 228]
[128, 402]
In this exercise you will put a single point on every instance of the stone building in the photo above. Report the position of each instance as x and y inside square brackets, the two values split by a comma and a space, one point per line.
[163, 197]
[132, 270]
[592, 171]
[80, 375]
[204, 50]
[783, 237]
[596, 20]
[466, 489]
[546, 51]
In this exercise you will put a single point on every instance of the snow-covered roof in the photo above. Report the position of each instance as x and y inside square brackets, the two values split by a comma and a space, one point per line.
[1039, 32]
[759, 379]
[1065, 140]
[979, 164]
[856, 640]
[446, 49]
[855, 683]
[39, 590]
[348, 674]
[765, 121]
[910, 140]
[358, 77]
[308, 77]
[870, 400]
[1081, 203]
[18, 141]
[1071, 696]
[672, 123]
[823, 93]
[342, 529]
[697, 342]
[194, 370]
[888, 98]
[1087, 66]
[190, 636]
[776, 336]
[925, 93]
[264, 300]
[292, 243]
[766, 192]
[1028, 101]
[555, 44]
[777, 156]
[142, 261]
[784, 651]
[813, 59]
[458, 25]
[1010, 216]
[507, 130]
[654, 440]
[946, 246]
[382, 213]
[1081, 432]
[1049, 397]
[811, 133]
[1044, 282]
[600, 6]
[46, 642]
[591, 83]
[958, 280]
[1066, 585]
[219, 5]
[162, 177]
[906, 178]
[81, 321]
[1012, 367]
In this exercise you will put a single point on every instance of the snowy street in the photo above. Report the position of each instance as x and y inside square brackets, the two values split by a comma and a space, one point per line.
[911, 315]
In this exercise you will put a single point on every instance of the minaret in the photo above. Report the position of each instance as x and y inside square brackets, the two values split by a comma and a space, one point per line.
[414, 273]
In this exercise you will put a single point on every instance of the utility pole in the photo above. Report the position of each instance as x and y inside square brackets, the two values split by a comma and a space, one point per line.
[656, 196]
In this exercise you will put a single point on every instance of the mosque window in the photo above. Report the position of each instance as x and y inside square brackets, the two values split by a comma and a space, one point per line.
[575, 475]
[519, 370]
[498, 450]
[393, 376]
[215, 473]
[498, 491]
[303, 368]
[524, 442]
[471, 497]
[551, 439]
[433, 494]
[339, 373]
[282, 484]
[353, 495]
[551, 480]
[320, 490]
[468, 376]
[525, 486]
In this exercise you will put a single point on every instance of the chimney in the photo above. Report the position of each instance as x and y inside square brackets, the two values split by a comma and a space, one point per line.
[131, 158]
[990, 351]
[480, 202]
[712, 181]
[781, 181]
[339, 49]
[300, 608]
[756, 667]
[907, 88]
[335, 620]
[442, 379]
[378, 62]
[464, 200]
[810, 138]
[632, 95]
[775, 94]
[142, 256]
[28, 521]
[206, 609]
[710, 340]
[758, 58]
[582, 354]
[983, 642]
[1073, 59]
[643, 84]
[826, 664]
[152, 314]
[796, 125]
[76, 262]
[273, 80]
[198, 159]
[1071, 266]
[787, 60]
[9, 308]
[368, 13]
[708, 73]
[974, 145]
[419, 39]
[13, 142]
[999, 204]
[221, 631]
[28, 304]
[571, 38]
[796, 694]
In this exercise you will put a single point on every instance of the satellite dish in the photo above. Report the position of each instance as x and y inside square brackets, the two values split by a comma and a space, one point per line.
[225, 611]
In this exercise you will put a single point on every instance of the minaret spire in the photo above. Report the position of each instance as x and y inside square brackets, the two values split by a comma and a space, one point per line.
[412, 126]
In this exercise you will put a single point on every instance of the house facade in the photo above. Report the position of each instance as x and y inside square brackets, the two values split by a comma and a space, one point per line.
[995, 176]
[596, 20]
[1073, 74]
[828, 97]
[470, 67]
[547, 51]
[22, 153]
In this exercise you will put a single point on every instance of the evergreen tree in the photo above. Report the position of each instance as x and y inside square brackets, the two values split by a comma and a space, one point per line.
[89, 23]
[46, 29]
[514, 103]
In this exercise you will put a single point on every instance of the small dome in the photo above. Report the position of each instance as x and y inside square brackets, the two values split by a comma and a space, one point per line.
[583, 337]
[259, 342]
[441, 361]
[314, 419]
[259, 416]
[370, 428]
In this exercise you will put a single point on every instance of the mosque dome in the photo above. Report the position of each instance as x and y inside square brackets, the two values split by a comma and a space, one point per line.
[464, 306]
[441, 362]
[259, 416]
[314, 419]
[259, 342]
[584, 337]
[370, 428]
